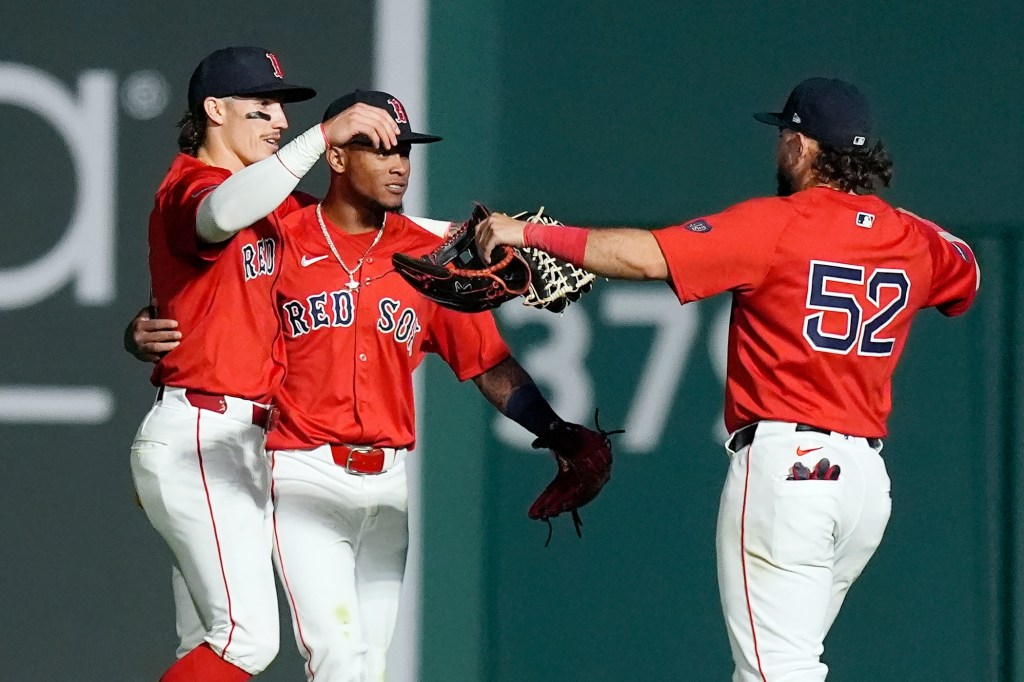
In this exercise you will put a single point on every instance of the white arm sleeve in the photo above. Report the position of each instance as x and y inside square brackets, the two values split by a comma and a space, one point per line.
[255, 191]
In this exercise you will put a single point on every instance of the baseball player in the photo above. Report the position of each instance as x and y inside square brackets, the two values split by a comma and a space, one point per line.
[825, 280]
[198, 460]
[354, 332]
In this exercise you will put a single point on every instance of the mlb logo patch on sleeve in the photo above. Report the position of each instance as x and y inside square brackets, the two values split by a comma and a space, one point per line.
[698, 226]
[865, 219]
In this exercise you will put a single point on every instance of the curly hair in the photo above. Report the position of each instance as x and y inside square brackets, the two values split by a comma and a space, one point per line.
[193, 132]
[859, 170]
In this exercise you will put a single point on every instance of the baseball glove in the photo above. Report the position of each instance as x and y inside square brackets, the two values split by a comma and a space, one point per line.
[584, 458]
[555, 282]
[455, 276]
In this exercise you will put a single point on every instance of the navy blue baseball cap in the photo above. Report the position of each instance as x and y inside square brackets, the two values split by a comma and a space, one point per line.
[242, 71]
[388, 103]
[828, 110]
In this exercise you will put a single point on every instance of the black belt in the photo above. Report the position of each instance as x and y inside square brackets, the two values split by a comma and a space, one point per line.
[745, 436]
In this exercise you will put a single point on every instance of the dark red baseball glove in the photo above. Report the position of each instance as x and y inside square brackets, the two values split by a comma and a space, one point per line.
[584, 458]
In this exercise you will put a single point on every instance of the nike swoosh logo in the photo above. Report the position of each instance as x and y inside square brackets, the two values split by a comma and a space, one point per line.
[307, 261]
[800, 452]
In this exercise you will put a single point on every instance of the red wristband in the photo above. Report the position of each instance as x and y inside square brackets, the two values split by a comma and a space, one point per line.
[561, 241]
[323, 132]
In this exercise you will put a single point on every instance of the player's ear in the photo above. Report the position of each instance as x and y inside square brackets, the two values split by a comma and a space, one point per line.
[796, 151]
[807, 148]
[803, 165]
[336, 159]
[216, 109]
[788, 150]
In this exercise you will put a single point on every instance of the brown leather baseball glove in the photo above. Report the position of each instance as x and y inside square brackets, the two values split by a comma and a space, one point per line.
[584, 458]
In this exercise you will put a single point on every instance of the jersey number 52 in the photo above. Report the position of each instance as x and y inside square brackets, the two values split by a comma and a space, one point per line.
[867, 335]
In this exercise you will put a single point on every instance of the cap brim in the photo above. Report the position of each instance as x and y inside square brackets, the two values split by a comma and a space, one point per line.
[284, 92]
[407, 138]
[418, 138]
[771, 119]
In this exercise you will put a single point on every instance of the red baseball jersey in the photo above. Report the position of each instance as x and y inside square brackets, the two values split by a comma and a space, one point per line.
[825, 284]
[351, 353]
[221, 294]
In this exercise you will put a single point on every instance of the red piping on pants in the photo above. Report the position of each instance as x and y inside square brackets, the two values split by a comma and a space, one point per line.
[216, 537]
[743, 559]
[284, 576]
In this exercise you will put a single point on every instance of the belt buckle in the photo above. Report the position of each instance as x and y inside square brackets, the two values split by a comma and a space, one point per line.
[273, 414]
[353, 450]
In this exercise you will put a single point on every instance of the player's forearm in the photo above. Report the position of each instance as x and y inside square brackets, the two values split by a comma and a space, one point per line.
[622, 253]
[619, 253]
[256, 190]
[512, 391]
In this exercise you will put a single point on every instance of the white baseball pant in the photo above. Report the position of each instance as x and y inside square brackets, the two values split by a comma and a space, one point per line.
[788, 550]
[340, 546]
[204, 481]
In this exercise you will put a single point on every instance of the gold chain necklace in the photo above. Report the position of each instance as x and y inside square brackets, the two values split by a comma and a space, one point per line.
[353, 283]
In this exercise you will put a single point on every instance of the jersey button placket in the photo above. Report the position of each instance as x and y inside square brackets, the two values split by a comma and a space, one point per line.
[369, 271]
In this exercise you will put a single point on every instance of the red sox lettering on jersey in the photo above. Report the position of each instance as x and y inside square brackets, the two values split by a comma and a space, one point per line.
[352, 351]
[328, 309]
[258, 258]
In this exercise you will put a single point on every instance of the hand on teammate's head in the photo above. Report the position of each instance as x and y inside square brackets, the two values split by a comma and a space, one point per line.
[362, 119]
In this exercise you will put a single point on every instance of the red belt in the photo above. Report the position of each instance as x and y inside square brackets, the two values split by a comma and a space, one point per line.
[264, 417]
[359, 460]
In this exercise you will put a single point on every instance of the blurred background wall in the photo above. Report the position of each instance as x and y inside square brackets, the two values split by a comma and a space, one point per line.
[607, 114]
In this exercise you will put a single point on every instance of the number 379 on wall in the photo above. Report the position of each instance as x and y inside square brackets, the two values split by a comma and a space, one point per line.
[825, 294]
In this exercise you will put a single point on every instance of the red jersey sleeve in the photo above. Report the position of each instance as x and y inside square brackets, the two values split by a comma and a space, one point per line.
[955, 272]
[731, 250]
[468, 342]
[181, 205]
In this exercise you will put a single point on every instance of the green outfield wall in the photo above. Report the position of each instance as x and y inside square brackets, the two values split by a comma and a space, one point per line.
[618, 114]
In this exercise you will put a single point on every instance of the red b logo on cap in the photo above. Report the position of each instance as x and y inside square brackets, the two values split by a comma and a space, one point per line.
[278, 73]
[400, 116]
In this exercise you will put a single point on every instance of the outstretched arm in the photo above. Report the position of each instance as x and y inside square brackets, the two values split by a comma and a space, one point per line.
[618, 253]
[150, 339]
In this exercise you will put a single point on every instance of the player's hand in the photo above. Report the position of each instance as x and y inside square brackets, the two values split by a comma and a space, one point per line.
[362, 119]
[495, 230]
[822, 471]
[148, 339]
